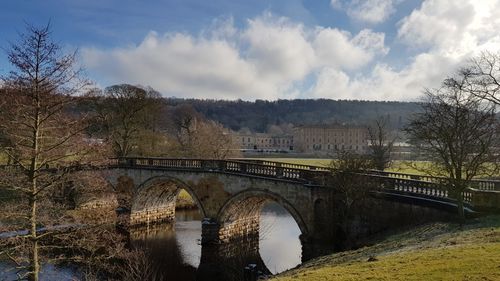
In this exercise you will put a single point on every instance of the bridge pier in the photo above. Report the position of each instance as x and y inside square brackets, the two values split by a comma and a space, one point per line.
[241, 229]
[209, 231]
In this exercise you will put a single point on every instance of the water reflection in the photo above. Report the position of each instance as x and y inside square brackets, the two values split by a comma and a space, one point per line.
[174, 250]
[280, 246]
[176, 253]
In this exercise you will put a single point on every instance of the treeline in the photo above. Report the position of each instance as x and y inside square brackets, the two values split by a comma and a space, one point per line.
[136, 120]
[258, 116]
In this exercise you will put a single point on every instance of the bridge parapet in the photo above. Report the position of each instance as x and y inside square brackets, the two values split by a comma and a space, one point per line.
[226, 166]
[485, 199]
[283, 164]
[418, 186]
[479, 184]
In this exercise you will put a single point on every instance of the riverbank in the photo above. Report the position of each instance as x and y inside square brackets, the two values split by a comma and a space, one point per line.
[185, 201]
[440, 251]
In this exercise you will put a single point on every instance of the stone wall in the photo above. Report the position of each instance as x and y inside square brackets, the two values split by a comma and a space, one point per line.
[241, 229]
[153, 215]
[487, 200]
[378, 215]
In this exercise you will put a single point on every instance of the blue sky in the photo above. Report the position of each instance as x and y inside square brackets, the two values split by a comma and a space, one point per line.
[275, 49]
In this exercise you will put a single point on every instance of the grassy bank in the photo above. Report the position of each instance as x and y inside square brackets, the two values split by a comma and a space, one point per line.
[185, 201]
[430, 252]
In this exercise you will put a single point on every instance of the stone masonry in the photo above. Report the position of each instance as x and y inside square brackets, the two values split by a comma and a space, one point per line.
[230, 204]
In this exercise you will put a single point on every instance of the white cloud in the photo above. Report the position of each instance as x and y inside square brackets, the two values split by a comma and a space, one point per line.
[437, 24]
[452, 28]
[383, 82]
[265, 60]
[274, 57]
[279, 49]
[338, 48]
[183, 66]
[370, 11]
[443, 34]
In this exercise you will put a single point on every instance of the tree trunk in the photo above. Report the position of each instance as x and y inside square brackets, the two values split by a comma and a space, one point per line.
[33, 173]
[35, 265]
[460, 206]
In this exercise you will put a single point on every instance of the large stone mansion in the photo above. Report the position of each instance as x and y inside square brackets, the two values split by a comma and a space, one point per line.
[331, 138]
[320, 139]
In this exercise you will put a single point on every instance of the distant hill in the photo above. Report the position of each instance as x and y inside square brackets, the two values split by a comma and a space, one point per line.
[259, 115]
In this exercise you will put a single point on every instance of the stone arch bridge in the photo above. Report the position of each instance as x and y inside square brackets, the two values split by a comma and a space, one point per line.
[231, 193]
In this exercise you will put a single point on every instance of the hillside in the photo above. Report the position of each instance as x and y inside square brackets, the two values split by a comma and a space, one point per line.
[439, 251]
[259, 115]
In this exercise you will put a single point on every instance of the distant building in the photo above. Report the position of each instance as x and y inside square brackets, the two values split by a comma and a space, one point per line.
[321, 139]
[330, 138]
[264, 142]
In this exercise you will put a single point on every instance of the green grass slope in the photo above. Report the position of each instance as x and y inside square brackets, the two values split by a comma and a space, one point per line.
[430, 252]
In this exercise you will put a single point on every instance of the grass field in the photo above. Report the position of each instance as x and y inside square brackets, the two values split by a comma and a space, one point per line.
[399, 166]
[302, 161]
[430, 252]
[408, 167]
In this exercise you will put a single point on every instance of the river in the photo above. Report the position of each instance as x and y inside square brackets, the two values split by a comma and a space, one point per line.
[175, 251]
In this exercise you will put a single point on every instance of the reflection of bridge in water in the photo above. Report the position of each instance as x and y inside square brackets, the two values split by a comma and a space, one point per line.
[223, 262]
[230, 195]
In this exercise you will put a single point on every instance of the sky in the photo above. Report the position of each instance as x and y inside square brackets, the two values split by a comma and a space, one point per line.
[274, 49]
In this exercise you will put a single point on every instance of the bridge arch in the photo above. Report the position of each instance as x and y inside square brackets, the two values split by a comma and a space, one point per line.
[154, 200]
[244, 208]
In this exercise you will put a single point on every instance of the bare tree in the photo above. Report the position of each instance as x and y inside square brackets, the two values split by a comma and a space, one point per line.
[346, 174]
[197, 137]
[34, 118]
[345, 170]
[184, 120]
[126, 112]
[481, 77]
[458, 132]
[213, 141]
[381, 144]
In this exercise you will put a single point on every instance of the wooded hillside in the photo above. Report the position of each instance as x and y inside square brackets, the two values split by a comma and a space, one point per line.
[258, 116]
